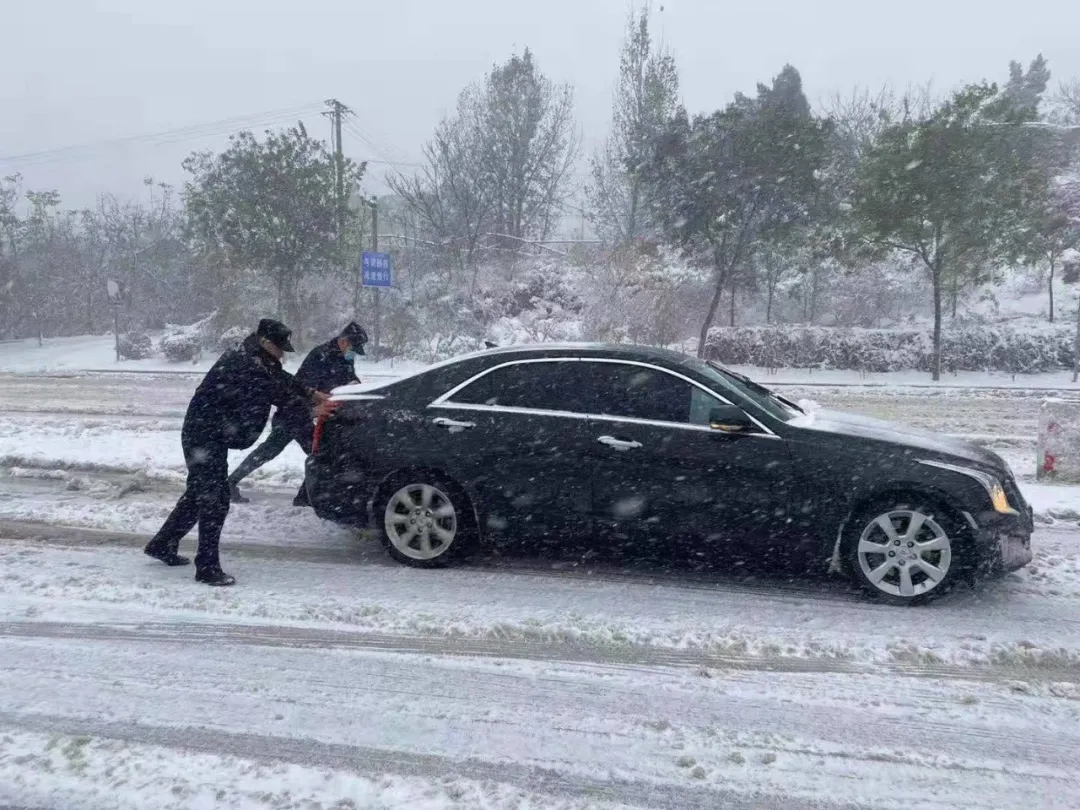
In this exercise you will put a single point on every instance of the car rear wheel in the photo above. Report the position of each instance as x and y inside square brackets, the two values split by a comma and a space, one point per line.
[426, 522]
[906, 553]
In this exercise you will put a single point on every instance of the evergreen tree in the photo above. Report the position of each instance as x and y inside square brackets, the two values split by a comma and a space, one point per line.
[269, 206]
[646, 98]
[729, 180]
[955, 186]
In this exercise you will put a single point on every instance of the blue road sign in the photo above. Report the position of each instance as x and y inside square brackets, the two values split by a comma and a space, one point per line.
[376, 269]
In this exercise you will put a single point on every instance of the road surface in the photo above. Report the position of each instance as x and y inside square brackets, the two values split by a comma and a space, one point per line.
[332, 677]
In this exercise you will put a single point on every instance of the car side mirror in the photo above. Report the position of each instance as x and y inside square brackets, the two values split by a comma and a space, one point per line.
[730, 419]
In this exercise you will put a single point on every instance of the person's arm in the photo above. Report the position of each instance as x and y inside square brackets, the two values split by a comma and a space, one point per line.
[285, 389]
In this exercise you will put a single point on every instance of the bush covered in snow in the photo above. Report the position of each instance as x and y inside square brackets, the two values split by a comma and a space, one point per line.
[974, 347]
[179, 348]
[135, 346]
[186, 343]
[230, 338]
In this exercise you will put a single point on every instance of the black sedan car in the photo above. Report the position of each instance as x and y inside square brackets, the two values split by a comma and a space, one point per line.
[619, 445]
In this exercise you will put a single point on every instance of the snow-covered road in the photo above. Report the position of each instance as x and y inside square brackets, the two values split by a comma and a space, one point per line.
[331, 677]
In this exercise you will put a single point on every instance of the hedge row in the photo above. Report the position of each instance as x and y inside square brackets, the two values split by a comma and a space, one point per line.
[984, 347]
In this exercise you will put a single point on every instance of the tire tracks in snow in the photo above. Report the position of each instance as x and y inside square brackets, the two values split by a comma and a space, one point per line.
[777, 590]
[376, 762]
[612, 657]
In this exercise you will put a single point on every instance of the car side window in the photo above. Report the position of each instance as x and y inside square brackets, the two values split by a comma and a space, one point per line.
[548, 386]
[636, 392]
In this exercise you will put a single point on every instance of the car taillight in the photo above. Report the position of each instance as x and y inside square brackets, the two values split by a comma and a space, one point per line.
[322, 415]
[317, 434]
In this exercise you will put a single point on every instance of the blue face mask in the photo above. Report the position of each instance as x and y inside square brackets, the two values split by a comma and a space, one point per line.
[350, 355]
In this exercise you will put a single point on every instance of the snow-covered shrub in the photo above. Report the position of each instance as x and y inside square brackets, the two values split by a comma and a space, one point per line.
[230, 338]
[179, 348]
[183, 343]
[639, 293]
[969, 347]
[136, 346]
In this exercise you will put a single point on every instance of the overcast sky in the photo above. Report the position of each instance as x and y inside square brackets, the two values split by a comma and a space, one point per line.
[79, 72]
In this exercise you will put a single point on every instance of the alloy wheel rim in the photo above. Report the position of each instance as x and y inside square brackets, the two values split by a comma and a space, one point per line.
[904, 553]
[421, 521]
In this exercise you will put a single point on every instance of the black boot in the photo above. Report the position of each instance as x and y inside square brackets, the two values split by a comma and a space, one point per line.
[214, 576]
[235, 496]
[301, 498]
[162, 553]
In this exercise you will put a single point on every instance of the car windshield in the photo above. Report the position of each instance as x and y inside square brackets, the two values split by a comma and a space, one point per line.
[770, 402]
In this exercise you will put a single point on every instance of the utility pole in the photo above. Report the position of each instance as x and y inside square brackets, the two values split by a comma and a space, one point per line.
[336, 113]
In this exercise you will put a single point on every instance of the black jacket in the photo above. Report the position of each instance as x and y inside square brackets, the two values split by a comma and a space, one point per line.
[232, 403]
[324, 369]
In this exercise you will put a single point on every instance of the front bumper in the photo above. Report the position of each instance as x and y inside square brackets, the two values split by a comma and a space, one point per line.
[1004, 542]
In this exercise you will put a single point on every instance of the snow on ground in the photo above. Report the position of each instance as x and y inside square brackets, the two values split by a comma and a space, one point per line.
[1056, 380]
[151, 446]
[331, 677]
[643, 733]
[132, 426]
[1029, 620]
[83, 771]
[98, 353]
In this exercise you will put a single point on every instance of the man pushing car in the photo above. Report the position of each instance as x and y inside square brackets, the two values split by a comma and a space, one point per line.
[227, 412]
[326, 367]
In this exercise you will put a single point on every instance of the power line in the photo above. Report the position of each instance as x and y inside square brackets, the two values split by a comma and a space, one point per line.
[356, 132]
[159, 138]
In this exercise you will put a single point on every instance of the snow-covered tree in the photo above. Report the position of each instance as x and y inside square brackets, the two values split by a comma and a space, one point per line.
[270, 206]
[746, 173]
[955, 186]
[500, 164]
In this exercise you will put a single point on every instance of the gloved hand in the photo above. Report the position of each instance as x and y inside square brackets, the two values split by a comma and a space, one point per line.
[325, 407]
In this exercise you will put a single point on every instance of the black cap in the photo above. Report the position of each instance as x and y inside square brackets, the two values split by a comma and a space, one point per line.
[276, 332]
[357, 337]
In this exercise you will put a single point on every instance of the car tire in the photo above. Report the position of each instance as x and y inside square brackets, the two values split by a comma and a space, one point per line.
[425, 521]
[906, 550]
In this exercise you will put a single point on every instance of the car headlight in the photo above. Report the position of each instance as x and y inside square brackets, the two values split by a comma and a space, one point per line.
[998, 499]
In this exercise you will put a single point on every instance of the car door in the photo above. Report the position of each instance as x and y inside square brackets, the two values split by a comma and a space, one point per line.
[661, 473]
[515, 436]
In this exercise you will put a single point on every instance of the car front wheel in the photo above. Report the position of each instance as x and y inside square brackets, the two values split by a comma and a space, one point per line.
[425, 522]
[906, 553]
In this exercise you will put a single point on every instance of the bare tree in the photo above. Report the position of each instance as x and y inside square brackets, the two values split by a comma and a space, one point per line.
[500, 165]
[10, 224]
[1065, 105]
[530, 146]
[449, 198]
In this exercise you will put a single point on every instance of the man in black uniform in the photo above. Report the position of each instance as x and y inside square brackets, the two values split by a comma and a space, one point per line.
[228, 411]
[327, 367]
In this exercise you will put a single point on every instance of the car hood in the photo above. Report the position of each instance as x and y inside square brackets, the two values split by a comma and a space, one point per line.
[866, 427]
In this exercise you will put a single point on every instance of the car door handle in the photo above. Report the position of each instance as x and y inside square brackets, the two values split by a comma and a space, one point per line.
[452, 424]
[619, 444]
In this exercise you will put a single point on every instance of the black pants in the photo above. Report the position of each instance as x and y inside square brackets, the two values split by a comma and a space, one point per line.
[205, 500]
[276, 442]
